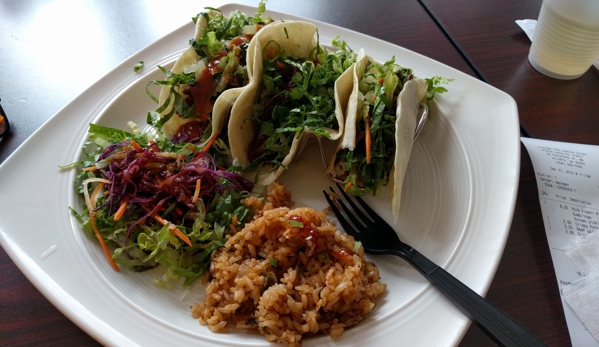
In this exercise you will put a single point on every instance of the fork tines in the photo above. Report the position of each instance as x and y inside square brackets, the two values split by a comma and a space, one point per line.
[354, 220]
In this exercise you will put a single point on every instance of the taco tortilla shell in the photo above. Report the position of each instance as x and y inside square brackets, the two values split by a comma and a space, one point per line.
[353, 105]
[355, 102]
[296, 39]
[408, 106]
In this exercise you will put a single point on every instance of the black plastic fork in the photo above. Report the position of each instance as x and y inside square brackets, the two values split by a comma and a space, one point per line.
[377, 237]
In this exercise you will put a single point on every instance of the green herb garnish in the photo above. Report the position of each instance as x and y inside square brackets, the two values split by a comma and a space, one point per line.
[295, 223]
[138, 66]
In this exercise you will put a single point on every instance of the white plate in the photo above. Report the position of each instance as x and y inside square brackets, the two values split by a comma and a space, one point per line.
[458, 201]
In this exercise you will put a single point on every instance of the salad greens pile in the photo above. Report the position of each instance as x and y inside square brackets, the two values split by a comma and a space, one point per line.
[143, 199]
[296, 94]
[380, 85]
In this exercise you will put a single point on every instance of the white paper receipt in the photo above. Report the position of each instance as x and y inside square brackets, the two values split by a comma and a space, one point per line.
[568, 183]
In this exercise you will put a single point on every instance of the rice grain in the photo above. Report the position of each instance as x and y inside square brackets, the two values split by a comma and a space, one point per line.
[287, 279]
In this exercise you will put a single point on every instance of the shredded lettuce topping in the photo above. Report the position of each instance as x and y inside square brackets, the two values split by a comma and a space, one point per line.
[296, 94]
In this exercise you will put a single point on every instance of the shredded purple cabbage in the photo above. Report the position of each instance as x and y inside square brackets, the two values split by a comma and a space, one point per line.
[107, 152]
[155, 181]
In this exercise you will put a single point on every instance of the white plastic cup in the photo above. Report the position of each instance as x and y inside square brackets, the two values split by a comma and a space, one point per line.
[566, 39]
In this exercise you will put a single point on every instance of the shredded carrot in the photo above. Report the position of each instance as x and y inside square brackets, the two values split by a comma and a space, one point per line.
[95, 193]
[234, 220]
[178, 211]
[207, 147]
[193, 150]
[196, 194]
[119, 213]
[348, 185]
[101, 239]
[91, 168]
[368, 142]
[160, 219]
[135, 145]
[172, 228]
[211, 142]
[95, 227]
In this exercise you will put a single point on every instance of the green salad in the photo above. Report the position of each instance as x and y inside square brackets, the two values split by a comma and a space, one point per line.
[156, 202]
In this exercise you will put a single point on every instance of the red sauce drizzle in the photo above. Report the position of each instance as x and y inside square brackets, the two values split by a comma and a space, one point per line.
[202, 91]
[201, 94]
[213, 63]
[307, 230]
[342, 254]
[238, 41]
[191, 131]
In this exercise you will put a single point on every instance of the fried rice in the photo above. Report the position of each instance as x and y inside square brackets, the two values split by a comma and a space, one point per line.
[289, 273]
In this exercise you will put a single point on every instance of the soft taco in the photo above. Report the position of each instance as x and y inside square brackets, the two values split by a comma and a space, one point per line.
[200, 89]
[379, 130]
[298, 89]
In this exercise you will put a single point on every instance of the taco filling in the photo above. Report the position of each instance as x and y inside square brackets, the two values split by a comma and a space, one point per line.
[297, 89]
[380, 125]
[214, 63]
[296, 95]
[367, 167]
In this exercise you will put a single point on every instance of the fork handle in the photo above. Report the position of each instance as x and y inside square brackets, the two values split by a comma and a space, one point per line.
[496, 324]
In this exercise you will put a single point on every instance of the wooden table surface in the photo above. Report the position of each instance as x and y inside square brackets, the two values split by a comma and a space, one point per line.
[53, 50]
[549, 109]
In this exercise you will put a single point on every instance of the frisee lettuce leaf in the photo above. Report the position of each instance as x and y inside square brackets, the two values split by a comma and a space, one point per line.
[433, 86]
